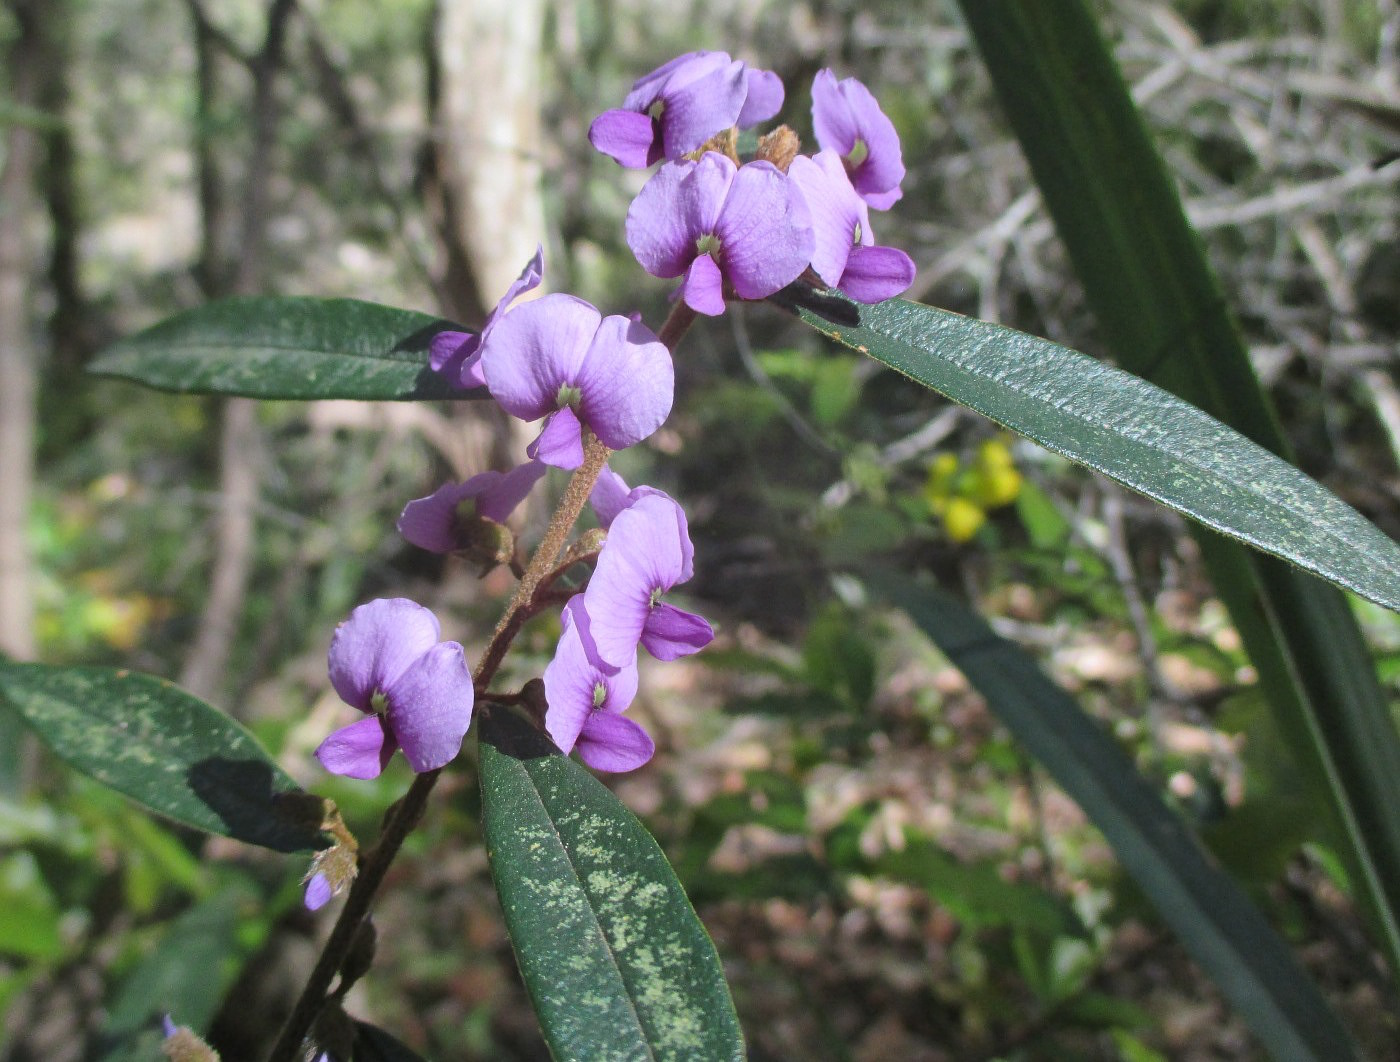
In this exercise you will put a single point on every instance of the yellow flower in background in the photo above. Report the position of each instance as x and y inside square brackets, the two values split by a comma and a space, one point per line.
[961, 496]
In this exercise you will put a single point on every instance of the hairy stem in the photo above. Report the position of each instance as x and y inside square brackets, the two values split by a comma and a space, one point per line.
[409, 810]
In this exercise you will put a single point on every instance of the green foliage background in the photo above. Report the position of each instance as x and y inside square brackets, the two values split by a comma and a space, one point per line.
[884, 870]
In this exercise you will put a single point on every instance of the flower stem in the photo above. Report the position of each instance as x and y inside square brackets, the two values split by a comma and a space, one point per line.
[677, 323]
[410, 809]
[372, 870]
[595, 455]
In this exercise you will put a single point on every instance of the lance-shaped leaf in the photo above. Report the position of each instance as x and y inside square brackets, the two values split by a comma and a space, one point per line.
[287, 347]
[616, 962]
[1216, 922]
[1165, 316]
[166, 749]
[1122, 426]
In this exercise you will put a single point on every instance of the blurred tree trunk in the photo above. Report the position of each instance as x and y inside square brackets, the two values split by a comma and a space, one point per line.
[205, 669]
[486, 65]
[73, 330]
[18, 372]
[488, 54]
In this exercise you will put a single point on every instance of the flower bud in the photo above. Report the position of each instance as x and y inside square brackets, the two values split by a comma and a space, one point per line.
[779, 147]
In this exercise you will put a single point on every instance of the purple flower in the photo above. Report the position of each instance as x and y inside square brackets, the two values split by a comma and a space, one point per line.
[457, 355]
[848, 120]
[712, 221]
[587, 699]
[846, 256]
[442, 522]
[678, 106]
[647, 552]
[611, 495]
[386, 660]
[318, 892]
[558, 355]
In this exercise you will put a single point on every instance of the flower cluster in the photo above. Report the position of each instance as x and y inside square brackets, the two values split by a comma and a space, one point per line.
[751, 227]
[727, 227]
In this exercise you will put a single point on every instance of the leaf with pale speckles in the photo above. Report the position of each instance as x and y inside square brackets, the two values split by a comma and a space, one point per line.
[617, 964]
[287, 347]
[166, 749]
[1121, 425]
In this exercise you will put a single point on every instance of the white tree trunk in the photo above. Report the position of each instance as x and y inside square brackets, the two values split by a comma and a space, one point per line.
[489, 121]
[17, 364]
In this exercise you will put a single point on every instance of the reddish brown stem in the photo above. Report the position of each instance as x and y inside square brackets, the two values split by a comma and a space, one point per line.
[537, 576]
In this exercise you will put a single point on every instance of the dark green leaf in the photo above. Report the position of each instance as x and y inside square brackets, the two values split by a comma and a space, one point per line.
[166, 749]
[184, 976]
[1124, 427]
[616, 962]
[1210, 913]
[287, 347]
[1165, 317]
[375, 1045]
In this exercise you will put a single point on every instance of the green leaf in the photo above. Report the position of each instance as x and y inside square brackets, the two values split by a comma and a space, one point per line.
[1122, 426]
[166, 749]
[185, 975]
[615, 960]
[287, 347]
[29, 914]
[1210, 913]
[1165, 317]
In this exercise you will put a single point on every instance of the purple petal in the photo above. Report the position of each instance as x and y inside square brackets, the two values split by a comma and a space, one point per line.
[882, 200]
[624, 136]
[431, 523]
[614, 743]
[560, 443]
[764, 100]
[168, 1026]
[461, 361]
[874, 274]
[648, 88]
[454, 355]
[703, 287]
[318, 892]
[609, 497]
[765, 231]
[627, 383]
[534, 350]
[836, 211]
[678, 205]
[832, 120]
[846, 112]
[501, 496]
[379, 641]
[430, 707]
[643, 553]
[528, 280]
[359, 750]
[672, 632]
[573, 678]
[700, 104]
